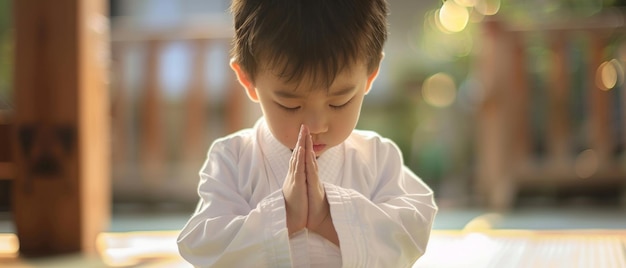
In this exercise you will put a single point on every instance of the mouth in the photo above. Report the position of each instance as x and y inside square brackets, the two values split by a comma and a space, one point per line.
[318, 147]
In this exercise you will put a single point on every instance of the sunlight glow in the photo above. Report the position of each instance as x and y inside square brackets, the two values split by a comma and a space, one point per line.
[134, 248]
[608, 74]
[453, 17]
[9, 245]
[483, 222]
[439, 90]
[470, 250]
[437, 22]
[466, 3]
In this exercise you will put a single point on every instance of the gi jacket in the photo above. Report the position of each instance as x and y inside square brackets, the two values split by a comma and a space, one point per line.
[382, 212]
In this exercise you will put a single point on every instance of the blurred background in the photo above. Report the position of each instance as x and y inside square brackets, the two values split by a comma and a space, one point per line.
[517, 107]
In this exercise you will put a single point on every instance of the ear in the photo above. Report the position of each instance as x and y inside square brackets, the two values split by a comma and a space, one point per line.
[372, 76]
[244, 80]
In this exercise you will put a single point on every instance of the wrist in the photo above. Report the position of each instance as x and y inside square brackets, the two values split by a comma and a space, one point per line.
[326, 229]
[293, 228]
[320, 225]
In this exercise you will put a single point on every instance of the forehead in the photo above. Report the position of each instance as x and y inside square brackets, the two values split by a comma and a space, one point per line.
[313, 80]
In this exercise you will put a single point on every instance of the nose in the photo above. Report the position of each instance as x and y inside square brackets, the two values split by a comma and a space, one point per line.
[317, 122]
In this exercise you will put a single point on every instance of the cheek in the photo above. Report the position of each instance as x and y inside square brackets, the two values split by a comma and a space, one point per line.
[285, 129]
[351, 116]
[346, 122]
[288, 134]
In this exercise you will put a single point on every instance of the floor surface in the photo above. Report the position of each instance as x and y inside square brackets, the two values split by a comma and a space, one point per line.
[144, 236]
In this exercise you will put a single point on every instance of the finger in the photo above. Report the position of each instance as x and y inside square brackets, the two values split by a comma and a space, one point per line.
[294, 153]
[311, 168]
[300, 141]
[292, 161]
[308, 143]
[311, 152]
[300, 164]
[314, 160]
[304, 132]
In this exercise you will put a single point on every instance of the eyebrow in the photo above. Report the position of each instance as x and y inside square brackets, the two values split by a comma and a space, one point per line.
[344, 91]
[291, 95]
[287, 94]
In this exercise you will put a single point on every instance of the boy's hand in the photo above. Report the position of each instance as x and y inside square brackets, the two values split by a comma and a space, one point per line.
[319, 209]
[294, 187]
[318, 219]
[305, 199]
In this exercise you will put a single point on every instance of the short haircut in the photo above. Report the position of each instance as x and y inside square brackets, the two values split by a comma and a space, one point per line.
[316, 39]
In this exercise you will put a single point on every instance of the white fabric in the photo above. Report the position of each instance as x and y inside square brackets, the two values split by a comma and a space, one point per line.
[382, 212]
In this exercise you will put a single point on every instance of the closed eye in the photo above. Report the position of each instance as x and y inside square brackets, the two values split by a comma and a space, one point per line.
[289, 109]
[337, 107]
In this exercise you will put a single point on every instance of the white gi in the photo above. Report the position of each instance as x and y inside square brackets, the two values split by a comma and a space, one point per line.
[382, 212]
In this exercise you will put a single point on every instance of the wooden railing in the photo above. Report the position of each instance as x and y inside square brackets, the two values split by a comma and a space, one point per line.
[566, 133]
[160, 142]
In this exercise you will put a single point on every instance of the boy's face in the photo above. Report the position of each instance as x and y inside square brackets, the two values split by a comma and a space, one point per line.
[330, 115]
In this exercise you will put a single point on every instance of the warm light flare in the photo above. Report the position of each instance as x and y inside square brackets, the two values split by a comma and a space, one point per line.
[608, 74]
[439, 90]
[9, 245]
[453, 17]
[466, 3]
[470, 250]
[483, 223]
[134, 248]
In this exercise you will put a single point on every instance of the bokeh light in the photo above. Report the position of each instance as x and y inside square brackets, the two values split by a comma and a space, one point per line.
[466, 3]
[453, 17]
[439, 90]
[9, 245]
[431, 19]
[609, 74]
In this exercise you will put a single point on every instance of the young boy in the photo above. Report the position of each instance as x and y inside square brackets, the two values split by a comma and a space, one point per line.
[303, 188]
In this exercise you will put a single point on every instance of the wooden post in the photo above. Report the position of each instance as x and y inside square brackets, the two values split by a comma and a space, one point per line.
[120, 111]
[521, 141]
[194, 143]
[558, 125]
[61, 194]
[495, 185]
[623, 106]
[6, 155]
[6, 160]
[152, 132]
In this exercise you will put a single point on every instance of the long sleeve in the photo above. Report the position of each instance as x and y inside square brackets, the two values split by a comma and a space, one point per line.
[382, 212]
[225, 230]
[389, 224]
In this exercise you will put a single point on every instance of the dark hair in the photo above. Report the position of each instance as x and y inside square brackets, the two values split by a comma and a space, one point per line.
[314, 38]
